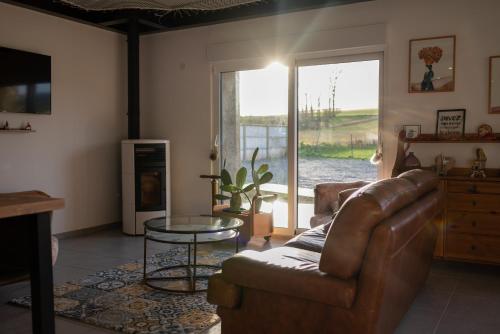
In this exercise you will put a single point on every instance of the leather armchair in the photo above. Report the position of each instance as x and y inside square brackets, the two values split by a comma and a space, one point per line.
[326, 199]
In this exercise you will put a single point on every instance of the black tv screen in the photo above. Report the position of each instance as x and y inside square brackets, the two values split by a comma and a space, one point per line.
[24, 82]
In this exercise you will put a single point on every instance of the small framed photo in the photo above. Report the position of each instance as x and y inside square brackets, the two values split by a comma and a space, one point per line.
[412, 131]
[494, 93]
[450, 123]
[432, 65]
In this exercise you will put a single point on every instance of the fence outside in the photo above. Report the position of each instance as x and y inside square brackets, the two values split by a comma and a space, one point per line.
[272, 141]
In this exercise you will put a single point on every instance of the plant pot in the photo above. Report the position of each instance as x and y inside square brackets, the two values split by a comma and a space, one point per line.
[235, 203]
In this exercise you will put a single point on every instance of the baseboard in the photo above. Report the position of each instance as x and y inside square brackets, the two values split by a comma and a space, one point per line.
[89, 230]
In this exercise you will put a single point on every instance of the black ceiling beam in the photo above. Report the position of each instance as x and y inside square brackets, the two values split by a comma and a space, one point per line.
[188, 19]
[150, 21]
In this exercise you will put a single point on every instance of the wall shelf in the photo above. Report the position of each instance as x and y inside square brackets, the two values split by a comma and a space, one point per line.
[16, 131]
[427, 138]
[467, 138]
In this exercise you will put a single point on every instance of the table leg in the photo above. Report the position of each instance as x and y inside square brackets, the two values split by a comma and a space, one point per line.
[145, 256]
[42, 297]
[237, 241]
[194, 263]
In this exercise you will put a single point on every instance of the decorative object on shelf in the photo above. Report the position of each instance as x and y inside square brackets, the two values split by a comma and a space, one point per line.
[479, 165]
[412, 131]
[427, 138]
[411, 162]
[444, 164]
[238, 188]
[377, 157]
[485, 131]
[27, 126]
[432, 65]
[450, 123]
[214, 154]
[494, 86]
[5, 126]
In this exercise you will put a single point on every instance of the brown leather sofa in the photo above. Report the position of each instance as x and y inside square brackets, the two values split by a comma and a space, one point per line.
[357, 274]
[328, 198]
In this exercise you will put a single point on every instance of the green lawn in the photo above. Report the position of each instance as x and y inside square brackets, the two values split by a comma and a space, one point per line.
[332, 151]
[349, 135]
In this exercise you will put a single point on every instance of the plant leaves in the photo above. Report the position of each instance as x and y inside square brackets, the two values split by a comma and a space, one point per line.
[225, 177]
[255, 177]
[230, 188]
[248, 187]
[266, 178]
[262, 169]
[222, 197]
[241, 177]
[254, 156]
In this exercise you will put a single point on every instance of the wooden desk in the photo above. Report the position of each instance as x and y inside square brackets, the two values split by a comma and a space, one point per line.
[34, 209]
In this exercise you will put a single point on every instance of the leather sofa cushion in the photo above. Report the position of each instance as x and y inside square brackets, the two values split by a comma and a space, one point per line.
[223, 293]
[312, 240]
[348, 238]
[424, 180]
[320, 219]
[345, 194]
[288, 271]
[327, 195]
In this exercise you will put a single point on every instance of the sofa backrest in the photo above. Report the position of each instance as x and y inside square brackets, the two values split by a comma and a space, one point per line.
[348, 238]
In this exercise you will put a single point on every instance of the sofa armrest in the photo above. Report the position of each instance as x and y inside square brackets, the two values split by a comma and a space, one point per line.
[326, 195]
[288, 271]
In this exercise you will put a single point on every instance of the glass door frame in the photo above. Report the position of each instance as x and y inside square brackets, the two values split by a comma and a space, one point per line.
[293, 64]
[326, 61]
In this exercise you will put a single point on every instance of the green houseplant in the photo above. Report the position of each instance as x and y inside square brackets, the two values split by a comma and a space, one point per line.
[236, 189]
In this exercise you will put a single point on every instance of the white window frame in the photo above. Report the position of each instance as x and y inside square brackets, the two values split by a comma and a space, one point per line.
[292, 63]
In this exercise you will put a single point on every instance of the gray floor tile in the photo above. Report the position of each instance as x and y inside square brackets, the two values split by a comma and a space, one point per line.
[457, 298]
[419, 321]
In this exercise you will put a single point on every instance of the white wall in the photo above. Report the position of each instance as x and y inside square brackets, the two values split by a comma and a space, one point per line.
[75, 153]
[176, 78]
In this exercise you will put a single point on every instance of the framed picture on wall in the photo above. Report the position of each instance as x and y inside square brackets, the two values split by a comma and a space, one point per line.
[494, 95]
[412, 131]
[432, 65]
[450, 123]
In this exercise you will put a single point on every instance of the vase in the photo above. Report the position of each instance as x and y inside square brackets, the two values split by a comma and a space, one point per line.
[426, 84]
[411, 161]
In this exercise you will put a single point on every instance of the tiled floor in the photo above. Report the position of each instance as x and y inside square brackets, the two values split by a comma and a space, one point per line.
[458, 298]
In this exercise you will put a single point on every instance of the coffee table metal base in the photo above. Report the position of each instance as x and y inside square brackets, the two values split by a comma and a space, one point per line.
[191, 268]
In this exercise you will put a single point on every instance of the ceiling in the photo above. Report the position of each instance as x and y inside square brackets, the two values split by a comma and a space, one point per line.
[156, 21]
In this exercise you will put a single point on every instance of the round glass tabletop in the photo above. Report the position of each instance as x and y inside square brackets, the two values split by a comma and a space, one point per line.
[192, 224]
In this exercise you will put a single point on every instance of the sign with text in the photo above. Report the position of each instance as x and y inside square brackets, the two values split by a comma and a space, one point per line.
[450, 123]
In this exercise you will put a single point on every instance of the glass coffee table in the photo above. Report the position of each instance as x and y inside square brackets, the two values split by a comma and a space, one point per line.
[191, 231]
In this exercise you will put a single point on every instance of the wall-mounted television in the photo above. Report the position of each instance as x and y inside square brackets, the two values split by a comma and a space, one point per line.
[24, 82]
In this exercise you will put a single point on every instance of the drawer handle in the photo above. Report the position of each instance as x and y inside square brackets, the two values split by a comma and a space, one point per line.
[472, 247]
[474, 223]
[474, 203]
[473, 189]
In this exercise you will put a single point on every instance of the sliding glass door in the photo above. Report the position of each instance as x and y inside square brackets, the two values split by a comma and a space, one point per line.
[337, 127]
[318, 122]
[254, 114]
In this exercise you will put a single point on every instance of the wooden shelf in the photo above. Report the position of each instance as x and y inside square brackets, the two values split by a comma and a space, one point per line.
[467, 138]
[16, 131]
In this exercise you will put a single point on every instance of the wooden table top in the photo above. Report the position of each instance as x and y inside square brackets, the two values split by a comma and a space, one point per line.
[27, 203]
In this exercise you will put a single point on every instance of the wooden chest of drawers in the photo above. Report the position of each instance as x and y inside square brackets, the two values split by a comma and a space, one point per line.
[470, 230]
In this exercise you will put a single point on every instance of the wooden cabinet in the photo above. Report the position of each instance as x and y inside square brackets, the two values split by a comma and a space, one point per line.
[471, 220]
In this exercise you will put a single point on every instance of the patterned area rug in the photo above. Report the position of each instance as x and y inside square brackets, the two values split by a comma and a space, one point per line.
[117, 299]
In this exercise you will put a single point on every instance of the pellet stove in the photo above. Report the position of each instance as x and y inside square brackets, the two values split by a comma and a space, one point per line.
[145, 182]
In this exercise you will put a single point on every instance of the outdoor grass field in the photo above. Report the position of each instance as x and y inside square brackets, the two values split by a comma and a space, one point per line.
[348, 135]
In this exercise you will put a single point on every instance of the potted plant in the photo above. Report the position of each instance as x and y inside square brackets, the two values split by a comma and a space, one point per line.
[236, 189]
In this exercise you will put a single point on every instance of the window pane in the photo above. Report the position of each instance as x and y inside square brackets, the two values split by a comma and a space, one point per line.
[254, 114]
[337, 127]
